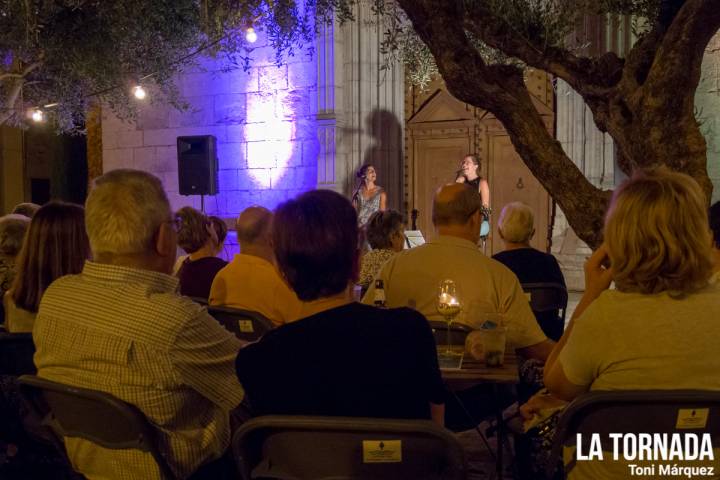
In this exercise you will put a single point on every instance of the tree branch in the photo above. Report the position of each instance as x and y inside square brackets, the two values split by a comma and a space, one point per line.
[501, 90]
[587, 76]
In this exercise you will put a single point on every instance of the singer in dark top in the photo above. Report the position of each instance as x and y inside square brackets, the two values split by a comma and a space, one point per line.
[469, 173]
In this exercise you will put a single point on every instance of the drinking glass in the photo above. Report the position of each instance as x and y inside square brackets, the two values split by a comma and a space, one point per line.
[449, 305]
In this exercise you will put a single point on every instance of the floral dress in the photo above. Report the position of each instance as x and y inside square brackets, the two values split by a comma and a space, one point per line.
[368, 206]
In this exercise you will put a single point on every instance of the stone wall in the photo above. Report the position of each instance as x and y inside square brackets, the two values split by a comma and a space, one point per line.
[264, 120]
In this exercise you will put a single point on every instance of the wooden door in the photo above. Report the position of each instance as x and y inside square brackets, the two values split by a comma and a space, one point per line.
[436, 163]
[511, 181]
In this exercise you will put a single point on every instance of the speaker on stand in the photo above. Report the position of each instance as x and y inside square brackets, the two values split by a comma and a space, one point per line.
[197, 166]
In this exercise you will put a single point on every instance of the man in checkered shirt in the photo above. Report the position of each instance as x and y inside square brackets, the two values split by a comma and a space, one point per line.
[120, 327]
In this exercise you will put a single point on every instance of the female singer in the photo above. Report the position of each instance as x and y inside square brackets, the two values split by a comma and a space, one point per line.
[368, 197]
[470, 173]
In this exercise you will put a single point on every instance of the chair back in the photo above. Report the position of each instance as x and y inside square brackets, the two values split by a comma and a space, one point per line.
[278, 446]
[635, 411]
[16, 354]
[245, 324]
[458, 332]
[547, 297]
[92, 415]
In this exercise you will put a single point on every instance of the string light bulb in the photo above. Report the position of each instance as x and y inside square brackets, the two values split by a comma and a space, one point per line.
[139, 92]
[250, 35]
[37, 115]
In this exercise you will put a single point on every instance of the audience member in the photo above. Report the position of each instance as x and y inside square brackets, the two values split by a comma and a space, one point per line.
[386, 234]
[119, 327]
[345, 358]
[251, 281]
[516, 228]
[12, 232]
[197, 235]
[26, 209]
[714, 217]
[411, 277]
[659, 328]
[55, 245]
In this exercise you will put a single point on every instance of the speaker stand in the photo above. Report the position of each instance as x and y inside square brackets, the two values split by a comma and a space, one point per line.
[202, 203]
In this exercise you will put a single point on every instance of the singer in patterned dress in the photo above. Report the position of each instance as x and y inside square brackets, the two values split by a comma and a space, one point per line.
[368, 197]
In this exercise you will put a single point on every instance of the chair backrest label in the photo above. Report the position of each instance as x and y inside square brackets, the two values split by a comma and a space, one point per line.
[246, 326]
[692, 418]
[382, 451]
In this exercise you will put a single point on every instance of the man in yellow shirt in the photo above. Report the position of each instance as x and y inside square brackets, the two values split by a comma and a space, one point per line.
[251, 281]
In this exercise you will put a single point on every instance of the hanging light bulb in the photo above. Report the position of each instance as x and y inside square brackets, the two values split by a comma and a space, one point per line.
[250, 35]
[139, 92]
[37, 115]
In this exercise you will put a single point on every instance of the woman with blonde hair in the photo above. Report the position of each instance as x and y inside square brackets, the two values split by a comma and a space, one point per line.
[56, 244]
[659, 328]
[202, 238]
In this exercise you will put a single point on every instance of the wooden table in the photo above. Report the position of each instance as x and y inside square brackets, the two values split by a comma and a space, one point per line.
[474, 372]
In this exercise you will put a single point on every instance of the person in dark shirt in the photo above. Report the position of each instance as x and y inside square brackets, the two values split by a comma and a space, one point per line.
[202, 238]
[343, 358]
[528, 264]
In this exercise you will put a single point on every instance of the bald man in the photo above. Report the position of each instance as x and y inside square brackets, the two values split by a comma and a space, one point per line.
[251, 281]
[412, 277]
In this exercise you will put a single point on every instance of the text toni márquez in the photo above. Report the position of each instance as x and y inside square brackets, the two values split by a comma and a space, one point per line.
[662, 453]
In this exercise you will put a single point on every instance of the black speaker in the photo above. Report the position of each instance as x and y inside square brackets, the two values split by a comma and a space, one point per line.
[197, 165]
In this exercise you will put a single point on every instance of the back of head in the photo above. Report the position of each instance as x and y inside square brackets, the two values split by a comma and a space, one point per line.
[454, 204]
[516, 222]
[26, 209]
[193, 229]
[12, 232]
[381, 226]
[253, 226]
[124, 211]
[56, 244]
[315, 238]
[220, 228]
[657, 234]
[714, 217]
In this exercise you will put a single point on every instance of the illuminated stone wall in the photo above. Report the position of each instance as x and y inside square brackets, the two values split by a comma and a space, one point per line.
[264, 121]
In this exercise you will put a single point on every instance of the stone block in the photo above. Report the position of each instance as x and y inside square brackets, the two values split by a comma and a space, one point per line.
[260, 107]
[154, 116]
[310, 151]
[306, 128]
[199, 113]
[170, 181]
[117, 158]
[203, 83]
[144, 159]
[302, 75]
[261, 155]
[231, 156]
[254, 178]
[166, 159]
[297, 178]
[165, 137]
[219, 131]
[276, 130]
[273, 78]
[263, 56]
[228, 181]
[235, 133]
[128, 139]
[230, 108]
[296, 103]
[243, 81]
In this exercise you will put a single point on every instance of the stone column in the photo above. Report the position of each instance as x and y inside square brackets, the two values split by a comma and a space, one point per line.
[373, 106]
